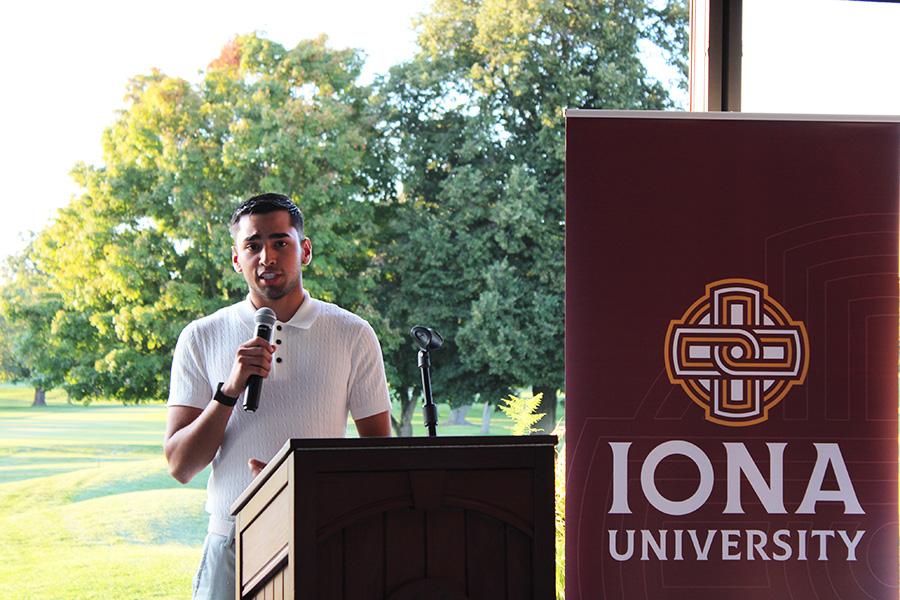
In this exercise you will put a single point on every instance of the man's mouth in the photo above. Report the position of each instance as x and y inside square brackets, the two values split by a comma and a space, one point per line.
[268, 276]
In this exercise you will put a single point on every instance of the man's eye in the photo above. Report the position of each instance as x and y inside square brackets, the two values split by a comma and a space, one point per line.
[281, 244]
[252, 247]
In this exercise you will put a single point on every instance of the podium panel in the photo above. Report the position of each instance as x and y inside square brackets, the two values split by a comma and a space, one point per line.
[464, 518]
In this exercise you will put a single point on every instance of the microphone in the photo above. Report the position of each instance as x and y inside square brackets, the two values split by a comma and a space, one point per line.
[427, 339]
[265, 319]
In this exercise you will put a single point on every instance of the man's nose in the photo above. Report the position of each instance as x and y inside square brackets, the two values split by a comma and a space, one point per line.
[267, 255]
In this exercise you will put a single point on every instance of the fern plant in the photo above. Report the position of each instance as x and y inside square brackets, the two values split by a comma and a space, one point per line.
[522, 412]
[560, 433]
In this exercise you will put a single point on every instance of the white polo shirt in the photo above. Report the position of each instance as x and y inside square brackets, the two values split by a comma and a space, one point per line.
[330, 365]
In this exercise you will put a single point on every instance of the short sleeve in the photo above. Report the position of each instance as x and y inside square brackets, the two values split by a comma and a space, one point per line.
[188, 385]
[367, 392]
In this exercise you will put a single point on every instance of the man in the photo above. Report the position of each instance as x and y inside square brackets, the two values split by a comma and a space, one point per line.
[323, 363]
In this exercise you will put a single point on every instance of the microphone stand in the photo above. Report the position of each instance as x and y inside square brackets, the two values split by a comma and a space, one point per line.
[429, 410]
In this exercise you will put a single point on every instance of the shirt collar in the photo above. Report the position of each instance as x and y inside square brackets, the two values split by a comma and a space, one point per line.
[302, 319]
[306, 314]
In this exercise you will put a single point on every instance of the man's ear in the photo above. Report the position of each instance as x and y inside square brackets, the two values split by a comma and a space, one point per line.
[234, 260]
[306, 249]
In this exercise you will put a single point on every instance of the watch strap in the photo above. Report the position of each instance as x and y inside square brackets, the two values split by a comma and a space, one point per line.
[222, 398]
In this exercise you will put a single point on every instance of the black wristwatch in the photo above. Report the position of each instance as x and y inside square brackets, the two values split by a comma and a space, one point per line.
[222, 398]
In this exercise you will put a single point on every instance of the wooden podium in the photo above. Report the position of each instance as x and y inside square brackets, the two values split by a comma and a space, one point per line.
[452, 518]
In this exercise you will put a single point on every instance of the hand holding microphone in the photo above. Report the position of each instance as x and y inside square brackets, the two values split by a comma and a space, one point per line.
[252, 362]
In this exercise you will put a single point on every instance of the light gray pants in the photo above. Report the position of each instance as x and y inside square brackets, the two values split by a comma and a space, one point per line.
[215, 576]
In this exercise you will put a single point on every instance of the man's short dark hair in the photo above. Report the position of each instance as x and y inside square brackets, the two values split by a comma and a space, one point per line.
[266, 203]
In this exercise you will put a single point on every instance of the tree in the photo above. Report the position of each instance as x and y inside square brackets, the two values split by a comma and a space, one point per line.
[27, 310]
[432, 250]
[478, 119]
[145, 247]
[439, 200]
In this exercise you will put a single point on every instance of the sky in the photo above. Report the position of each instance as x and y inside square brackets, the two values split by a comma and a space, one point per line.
[821, 56]
[65, 65]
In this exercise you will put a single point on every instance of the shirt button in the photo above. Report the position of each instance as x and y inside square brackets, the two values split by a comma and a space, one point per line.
[278, 327]
[278, 359]
[277, 341]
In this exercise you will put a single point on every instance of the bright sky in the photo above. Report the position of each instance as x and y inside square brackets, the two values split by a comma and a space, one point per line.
[821, 56]
[65, 65]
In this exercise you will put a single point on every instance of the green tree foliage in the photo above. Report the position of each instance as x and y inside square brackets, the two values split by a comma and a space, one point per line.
[437, 199]
[28, 346]
[433, 247]
[145, 247]
[478, 121]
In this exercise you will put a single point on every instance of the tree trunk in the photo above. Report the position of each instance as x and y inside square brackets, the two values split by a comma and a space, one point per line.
[403, 427]
[40, 397]
[458, 415]
[486, 413]
[548, 406]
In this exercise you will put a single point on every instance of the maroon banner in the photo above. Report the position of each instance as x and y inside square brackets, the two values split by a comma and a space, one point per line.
[731, 357]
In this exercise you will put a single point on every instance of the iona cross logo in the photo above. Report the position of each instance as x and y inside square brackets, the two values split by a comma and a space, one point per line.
[736, 352]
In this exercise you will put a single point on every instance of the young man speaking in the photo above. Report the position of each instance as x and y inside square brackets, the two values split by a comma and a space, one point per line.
[323, 363]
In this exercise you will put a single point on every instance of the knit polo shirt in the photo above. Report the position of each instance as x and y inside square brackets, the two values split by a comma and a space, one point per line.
[330, 365]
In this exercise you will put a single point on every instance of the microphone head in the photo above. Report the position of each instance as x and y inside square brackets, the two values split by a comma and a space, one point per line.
[265, 316]
[426, 338]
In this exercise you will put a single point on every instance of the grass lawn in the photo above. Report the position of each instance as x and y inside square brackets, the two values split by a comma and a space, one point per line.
[87, 508]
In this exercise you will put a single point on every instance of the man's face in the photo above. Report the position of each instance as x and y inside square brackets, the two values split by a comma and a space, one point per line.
[269, 253]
